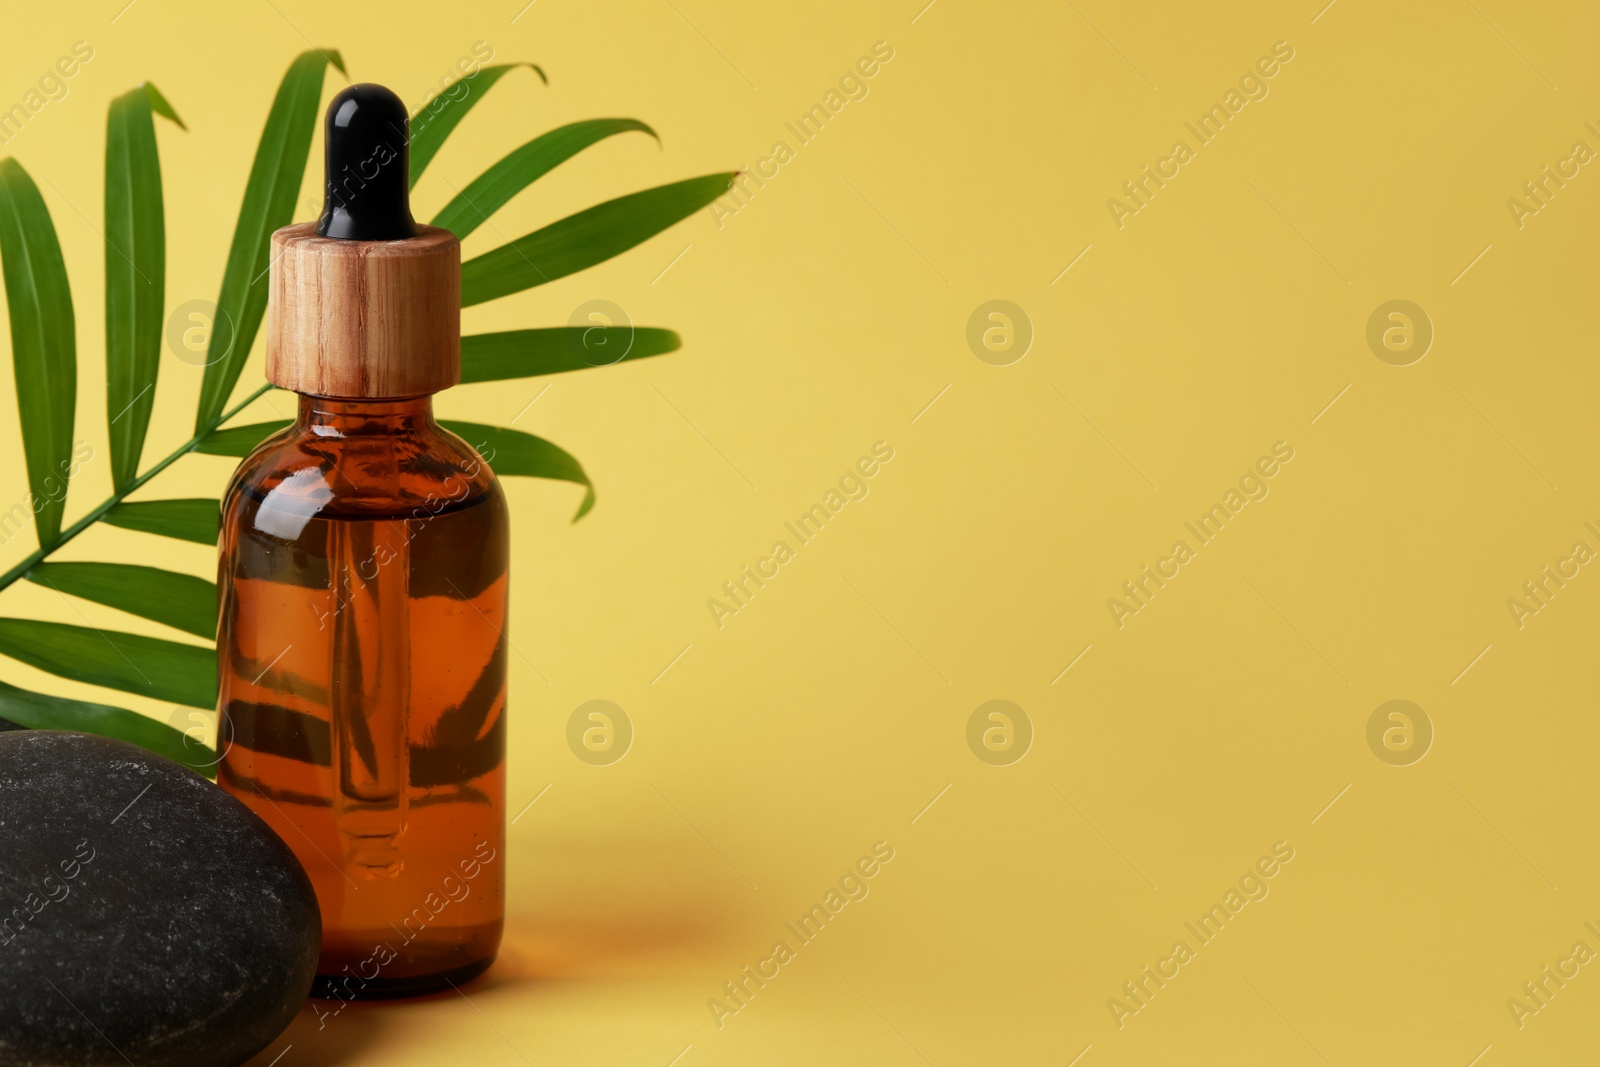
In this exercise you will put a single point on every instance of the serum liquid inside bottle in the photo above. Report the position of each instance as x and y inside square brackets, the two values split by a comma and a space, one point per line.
[363, 582]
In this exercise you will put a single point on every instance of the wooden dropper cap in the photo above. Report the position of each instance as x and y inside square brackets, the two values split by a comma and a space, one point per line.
[365, 303]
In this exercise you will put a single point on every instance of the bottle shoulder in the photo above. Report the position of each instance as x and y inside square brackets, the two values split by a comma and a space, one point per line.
[425, 470]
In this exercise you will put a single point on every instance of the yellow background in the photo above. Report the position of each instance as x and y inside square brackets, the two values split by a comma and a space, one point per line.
[825, 716]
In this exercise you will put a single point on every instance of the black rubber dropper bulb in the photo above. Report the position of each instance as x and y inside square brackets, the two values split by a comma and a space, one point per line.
[367, 196]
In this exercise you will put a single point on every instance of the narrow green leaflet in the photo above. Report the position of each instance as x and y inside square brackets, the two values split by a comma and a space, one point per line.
[512, 453]
[589, 237]
[148, 666]
[44, 354]
[269, 200]
[239, 440]
[489, 192]
[136, 267]
[440, 116]
[491, 357]
[198, 520]
[39, 711]
[181, 601]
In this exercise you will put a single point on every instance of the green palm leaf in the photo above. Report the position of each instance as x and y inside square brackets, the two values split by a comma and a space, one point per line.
[39, 711]
[512, 453]
[136, 267]
[429, 131]
[194, 519]
[181, 601]
[148, 666]
[589, 237]
[44, 354]
[491, 357]
[269, 199]
[490, 191]
[239, 441]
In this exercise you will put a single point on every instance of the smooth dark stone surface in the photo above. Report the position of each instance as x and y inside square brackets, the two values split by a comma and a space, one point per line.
[146, 916]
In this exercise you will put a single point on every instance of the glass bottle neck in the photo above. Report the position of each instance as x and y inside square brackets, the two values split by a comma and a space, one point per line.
[332, 417]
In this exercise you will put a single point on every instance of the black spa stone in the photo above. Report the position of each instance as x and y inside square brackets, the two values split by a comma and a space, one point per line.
[146, 917]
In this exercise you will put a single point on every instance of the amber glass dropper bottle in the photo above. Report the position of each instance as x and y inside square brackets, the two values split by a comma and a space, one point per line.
[361, 639]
